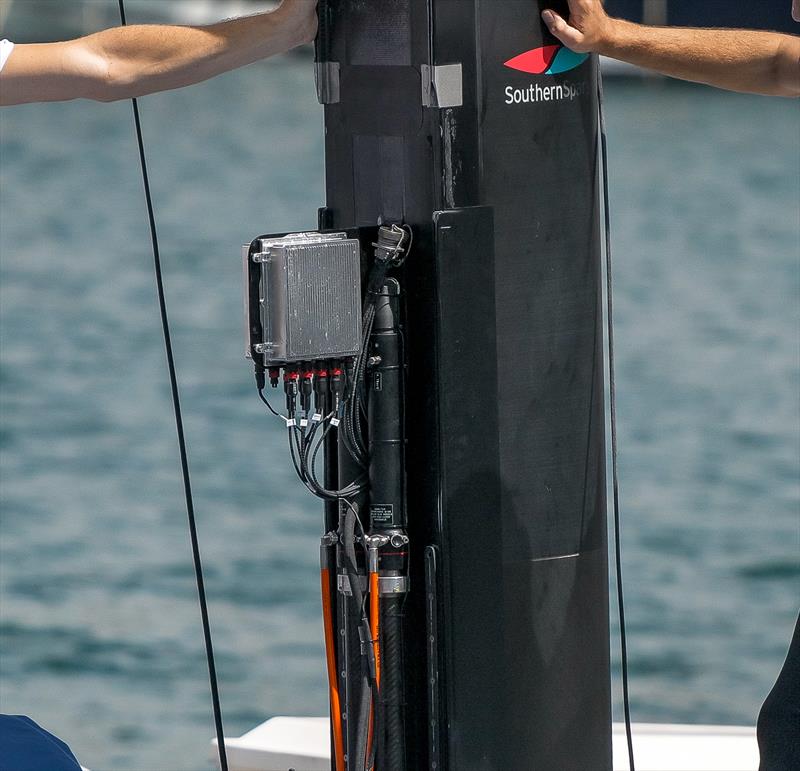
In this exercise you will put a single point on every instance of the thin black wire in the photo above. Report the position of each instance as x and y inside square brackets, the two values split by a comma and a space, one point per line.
[613, 403]
[266, 401]
[187, 487]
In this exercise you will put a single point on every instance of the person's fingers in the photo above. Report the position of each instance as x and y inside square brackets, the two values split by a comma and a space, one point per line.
[569, 36]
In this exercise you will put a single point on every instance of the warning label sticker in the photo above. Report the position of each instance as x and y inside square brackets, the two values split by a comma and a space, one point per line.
[381, 513]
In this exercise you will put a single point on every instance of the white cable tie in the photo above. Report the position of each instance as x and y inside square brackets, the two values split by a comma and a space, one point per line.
[304, 423]
[317, 417]
[335, 422]
[290, 422]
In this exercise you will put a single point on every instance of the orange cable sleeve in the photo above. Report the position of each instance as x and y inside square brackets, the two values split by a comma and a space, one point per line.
[374, 630]
[374, 612]
[330, 655]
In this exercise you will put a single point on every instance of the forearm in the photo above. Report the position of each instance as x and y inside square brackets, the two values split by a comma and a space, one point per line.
[133, 61]
[738, 60]
[146, 59]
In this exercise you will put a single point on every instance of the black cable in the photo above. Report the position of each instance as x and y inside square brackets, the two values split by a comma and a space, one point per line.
[355, 441]
[300, 449]
[613, 403]
[308, 456]
[362, 724]
[352, 434]
[362, 533]
[293, 451]
[308, 441]
[266, 401]
[312, 466]
[377, 726]
[352, 490]
[187, 487]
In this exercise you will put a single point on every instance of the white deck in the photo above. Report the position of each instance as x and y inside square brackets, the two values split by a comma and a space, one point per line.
[302, 744]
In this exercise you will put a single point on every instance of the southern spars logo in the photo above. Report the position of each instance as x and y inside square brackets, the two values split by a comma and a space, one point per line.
[547, 60]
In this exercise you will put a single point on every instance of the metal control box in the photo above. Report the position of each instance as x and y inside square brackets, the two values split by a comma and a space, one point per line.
[308, 298]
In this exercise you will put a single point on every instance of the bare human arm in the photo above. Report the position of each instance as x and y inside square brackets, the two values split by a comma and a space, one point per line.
[738, 60]
[132, 61]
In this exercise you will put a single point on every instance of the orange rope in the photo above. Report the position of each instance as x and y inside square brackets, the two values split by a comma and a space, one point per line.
[330, 655]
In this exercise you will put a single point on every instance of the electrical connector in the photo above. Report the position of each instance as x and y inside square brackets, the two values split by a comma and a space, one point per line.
[261, 380]
[291, 388]
[338, 382]
[322, 388]
[389, 245]
[306, 389]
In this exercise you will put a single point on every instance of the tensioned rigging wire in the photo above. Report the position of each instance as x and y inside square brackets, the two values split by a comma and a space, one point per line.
[612, 387]
[187, 487]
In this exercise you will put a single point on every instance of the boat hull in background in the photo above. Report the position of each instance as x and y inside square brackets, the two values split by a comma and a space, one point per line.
[302, 744]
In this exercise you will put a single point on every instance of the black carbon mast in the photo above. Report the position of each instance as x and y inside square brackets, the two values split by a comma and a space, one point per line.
[468, 123]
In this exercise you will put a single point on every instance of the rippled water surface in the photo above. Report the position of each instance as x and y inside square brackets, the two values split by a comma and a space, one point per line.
[100, 630]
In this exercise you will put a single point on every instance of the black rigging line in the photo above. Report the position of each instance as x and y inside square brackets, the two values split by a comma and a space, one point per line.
[198, 568]
[613, 402]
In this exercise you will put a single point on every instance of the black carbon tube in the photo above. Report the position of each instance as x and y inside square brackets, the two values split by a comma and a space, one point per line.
[388, 513]
[386, 469]
[392, 688]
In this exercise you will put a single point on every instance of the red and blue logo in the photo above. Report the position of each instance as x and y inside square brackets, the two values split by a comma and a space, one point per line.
[547, 60]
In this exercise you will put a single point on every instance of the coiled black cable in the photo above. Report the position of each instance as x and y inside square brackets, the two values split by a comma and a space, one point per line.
[613, 405]
[303, 451]
[187, 486]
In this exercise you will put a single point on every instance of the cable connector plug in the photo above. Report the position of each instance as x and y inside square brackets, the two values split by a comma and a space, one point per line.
[389, 246]
[306, 389]
[338, 384]
[291, 389]
[322, 388]
[261, 377]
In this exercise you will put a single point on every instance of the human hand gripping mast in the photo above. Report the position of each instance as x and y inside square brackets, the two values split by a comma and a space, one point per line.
[312, 324]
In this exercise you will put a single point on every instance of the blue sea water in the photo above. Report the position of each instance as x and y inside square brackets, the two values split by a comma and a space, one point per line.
[100, 630]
